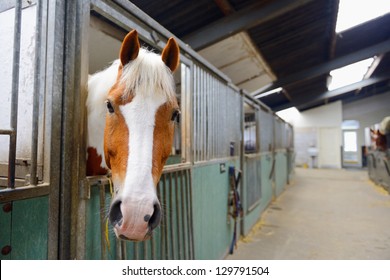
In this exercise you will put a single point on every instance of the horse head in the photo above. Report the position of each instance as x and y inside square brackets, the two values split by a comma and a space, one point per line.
[138, 134]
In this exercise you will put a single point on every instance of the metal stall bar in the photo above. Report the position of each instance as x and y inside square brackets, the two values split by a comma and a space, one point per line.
[153, 247]
[161, 223]
[202, 116]
[102, 202]
[36, 93]
[136, 251]
[6, 131]
[183, 214]
[164, 232]
[14, 95]
[188, 184]
[145, 250]
[177, 203]
[171, 223]
[198, 114]
[197, 118]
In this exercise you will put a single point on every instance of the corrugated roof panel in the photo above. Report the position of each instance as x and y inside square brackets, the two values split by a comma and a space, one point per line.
[254, 83]
[237, 58]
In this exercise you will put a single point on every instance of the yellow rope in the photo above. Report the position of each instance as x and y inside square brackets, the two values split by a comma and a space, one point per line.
[107, 238]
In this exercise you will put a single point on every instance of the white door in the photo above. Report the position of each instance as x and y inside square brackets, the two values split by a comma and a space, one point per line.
[329, 155]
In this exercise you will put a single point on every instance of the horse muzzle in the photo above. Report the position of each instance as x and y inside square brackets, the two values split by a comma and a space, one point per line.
[134, 220]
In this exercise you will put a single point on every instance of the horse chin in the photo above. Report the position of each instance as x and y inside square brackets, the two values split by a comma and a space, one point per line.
[133, 238]
[122, 237]
[136, 233]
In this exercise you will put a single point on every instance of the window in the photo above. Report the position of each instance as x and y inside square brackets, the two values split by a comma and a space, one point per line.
[250, 133]
[350, 141]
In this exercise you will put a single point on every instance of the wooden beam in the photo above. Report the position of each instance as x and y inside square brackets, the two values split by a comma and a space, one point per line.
[300, 102]
[317, 70]
[239, 21]
[225, 7]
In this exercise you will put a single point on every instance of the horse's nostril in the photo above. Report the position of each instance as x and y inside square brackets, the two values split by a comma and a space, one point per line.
[115, 216]
[154, 221]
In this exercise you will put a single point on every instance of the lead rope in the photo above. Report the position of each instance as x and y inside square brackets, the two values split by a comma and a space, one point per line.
[106, 231]
[237, 211]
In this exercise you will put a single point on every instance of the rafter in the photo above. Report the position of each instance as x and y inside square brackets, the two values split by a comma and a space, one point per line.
[239, 21]
[317, 70]
[305, 101]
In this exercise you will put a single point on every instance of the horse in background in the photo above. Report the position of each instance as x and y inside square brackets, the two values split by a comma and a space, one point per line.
[132, 107]
[380, 137]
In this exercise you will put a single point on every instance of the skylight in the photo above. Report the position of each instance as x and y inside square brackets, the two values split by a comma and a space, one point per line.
[352, 12]
[349, 74]
[290, 115]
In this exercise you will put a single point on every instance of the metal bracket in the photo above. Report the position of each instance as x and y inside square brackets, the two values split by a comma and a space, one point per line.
[155, 37]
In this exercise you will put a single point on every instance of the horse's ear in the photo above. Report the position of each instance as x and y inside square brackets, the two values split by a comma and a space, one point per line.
[130, 47]
[171, 54]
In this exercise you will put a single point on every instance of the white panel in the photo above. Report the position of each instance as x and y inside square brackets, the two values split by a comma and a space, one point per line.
[325, 116]
[26, 80]
[242, 70]
[325, 122]
[225, 52]
[329, 155]
[304, 138]
[240, 60]
[256, 83]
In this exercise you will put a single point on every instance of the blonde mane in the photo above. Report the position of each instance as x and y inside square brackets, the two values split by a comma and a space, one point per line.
[148, 75]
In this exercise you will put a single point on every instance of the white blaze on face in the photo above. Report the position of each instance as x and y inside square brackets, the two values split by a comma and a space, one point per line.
[139, 116]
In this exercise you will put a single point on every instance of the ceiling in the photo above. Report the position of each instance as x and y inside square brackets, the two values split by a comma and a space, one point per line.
[266, 44]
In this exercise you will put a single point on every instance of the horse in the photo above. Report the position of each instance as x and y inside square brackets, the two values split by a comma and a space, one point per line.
[132, 108]
[380, 136]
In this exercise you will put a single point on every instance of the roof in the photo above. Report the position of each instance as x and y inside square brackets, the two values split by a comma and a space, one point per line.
[265, 44]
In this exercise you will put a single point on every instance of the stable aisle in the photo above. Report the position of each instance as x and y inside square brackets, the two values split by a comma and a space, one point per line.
[323, 214]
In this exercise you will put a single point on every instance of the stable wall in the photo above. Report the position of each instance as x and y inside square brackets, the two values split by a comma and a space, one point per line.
[26, 80]
[319, 127]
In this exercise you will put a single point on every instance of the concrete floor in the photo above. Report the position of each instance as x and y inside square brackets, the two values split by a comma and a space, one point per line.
[323, 214]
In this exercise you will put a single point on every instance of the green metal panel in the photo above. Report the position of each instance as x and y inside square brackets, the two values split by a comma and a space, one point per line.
[172, 240]
[30, 228]
[213, 229]
[266, 180]
[252, 216]
[5, 229]
[173, 159]
[252, 173]
[280, 172]
[94, 229]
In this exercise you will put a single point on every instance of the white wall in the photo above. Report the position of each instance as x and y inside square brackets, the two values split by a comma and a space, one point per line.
[320, 127]
[324, 116]
[26, 80]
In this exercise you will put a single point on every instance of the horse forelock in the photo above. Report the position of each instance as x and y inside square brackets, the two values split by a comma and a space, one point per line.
[147, 75]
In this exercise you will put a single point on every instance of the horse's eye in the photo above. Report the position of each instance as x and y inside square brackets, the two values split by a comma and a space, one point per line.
[109, 107]
[176, 116]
